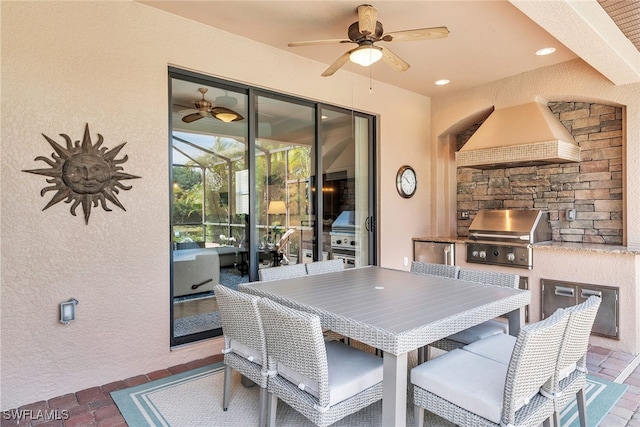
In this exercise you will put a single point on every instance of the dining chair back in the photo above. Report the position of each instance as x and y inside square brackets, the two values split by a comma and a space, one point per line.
[485, 329]
[282, 272]
[329, 266]
[245, 347]
[324, 381]
[444, 270]
[570, 376]
[495, 278]
[469, 389]
[281, 246]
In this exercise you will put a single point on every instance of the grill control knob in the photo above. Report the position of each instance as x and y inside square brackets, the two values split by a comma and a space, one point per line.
[353, 243]
[474, 254]
[339, 242]
[483, 254]
[510, 256]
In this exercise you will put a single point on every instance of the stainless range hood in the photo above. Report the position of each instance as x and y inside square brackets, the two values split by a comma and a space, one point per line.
[524, 135]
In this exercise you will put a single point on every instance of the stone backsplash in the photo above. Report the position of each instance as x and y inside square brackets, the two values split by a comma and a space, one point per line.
[593, 187]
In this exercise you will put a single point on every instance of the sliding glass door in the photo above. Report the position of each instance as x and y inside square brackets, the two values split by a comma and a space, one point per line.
[260, 180]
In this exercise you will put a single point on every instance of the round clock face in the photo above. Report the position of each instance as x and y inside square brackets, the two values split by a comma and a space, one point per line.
[406, 182]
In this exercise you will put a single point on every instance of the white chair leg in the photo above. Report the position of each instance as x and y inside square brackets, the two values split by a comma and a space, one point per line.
[582, 408]
[227, 386]
[263, 406]
[273, 405]
[555, 419]
[418, 414]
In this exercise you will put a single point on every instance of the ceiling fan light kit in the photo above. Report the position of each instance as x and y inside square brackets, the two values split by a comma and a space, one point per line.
[366, 55]
[225, 114]
[367, 31]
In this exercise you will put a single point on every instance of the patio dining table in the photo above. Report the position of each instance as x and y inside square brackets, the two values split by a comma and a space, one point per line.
[395, 311]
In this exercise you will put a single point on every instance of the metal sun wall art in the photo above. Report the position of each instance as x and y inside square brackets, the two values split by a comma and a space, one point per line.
[84, 174]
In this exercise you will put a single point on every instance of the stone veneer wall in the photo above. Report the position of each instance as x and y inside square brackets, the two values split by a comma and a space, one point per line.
[593, 187]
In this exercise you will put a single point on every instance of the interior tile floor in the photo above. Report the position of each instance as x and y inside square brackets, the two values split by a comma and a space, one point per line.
[94, 407]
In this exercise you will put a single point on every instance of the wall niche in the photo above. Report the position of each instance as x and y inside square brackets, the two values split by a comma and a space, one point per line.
[593, 187]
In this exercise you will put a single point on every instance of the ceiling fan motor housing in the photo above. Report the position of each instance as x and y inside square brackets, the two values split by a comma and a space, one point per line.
[356, 36]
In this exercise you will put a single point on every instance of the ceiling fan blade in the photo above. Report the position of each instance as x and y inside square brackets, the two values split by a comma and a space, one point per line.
[367, 18]
[314, 42]
[393, 60]
[191, 117]
[337, 64]
[417, 34]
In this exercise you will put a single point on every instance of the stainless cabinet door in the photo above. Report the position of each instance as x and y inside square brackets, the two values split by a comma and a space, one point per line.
[434, 252]
[606, 322]
[556, 295]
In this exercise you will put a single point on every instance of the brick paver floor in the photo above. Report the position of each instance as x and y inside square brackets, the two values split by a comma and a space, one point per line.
[94, 407]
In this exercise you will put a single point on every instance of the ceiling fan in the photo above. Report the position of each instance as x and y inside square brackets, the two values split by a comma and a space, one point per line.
[365, 33]
[205, 108]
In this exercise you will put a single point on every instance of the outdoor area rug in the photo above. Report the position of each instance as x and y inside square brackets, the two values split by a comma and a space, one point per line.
[194, 399]
[196, 323]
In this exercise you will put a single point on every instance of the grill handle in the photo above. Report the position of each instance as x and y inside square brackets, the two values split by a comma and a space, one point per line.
[501, 236]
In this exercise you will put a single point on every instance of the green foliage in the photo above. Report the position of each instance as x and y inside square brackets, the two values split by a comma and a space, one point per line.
[187, 195]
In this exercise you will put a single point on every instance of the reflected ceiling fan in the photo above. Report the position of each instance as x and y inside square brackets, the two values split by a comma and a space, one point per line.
[365, 33]
[219, 112]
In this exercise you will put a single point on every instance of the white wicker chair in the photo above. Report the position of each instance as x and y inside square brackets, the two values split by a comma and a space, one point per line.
[320, 267]
[444, 270]
[324, 381]
[485, 329]
[282, 272]
[245, 348]
[469, 389]
[571, 373]
[281, 246]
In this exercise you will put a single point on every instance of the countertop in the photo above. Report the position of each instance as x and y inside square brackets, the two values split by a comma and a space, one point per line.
[440, 239]
[589, 247]
[563, 246]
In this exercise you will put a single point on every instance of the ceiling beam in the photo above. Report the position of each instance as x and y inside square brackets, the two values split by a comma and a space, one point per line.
[585, 28]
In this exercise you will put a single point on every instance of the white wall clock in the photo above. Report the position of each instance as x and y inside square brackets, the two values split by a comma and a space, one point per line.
[406, 182]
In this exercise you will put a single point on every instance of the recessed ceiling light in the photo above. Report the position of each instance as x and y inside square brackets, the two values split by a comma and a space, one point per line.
[442, 82]
[545, 51]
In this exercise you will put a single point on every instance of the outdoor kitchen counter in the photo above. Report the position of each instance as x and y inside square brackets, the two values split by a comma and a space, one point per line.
[587, 247]
[440, 239]
[587, 264]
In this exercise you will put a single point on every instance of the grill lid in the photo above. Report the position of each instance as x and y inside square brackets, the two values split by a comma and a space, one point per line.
[511, 225]
[344, 223]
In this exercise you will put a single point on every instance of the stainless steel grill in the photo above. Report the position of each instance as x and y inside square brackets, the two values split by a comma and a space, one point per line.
[343, 238]
[504, 237]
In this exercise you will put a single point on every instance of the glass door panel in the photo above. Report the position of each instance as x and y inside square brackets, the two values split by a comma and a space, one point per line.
[345, 187]
[285, 140]
[249, 191]
[209, 206]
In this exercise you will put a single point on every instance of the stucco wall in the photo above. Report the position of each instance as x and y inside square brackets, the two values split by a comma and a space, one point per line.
[66, 64]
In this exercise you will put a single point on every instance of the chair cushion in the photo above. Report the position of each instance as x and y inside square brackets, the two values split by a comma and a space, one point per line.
[496, 347]
[245, 351]
[478, 332]
[468, 380]
[350, 372]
